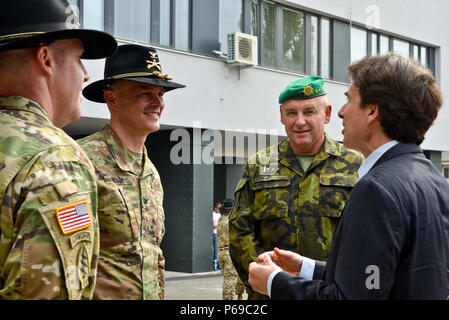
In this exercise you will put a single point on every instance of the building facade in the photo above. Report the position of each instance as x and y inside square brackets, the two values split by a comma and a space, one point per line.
[228, 112]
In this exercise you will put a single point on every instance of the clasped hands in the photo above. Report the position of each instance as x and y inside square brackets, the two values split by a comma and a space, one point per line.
[270, 261]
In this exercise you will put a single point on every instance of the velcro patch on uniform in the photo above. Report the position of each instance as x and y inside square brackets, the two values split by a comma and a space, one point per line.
[84, 236]
[268, 170]
[74, 217]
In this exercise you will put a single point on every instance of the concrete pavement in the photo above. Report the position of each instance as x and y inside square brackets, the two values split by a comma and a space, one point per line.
[197, 286]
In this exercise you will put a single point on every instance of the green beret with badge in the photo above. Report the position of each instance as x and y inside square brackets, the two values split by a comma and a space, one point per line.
[304, 88]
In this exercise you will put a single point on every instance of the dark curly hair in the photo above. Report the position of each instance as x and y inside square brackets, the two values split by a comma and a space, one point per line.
[407, 95]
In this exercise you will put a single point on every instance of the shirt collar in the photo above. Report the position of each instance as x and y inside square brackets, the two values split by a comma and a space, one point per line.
[374, 157]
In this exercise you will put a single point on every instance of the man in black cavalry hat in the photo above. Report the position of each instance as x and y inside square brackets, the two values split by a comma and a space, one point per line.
[48, 216]
[130, 193]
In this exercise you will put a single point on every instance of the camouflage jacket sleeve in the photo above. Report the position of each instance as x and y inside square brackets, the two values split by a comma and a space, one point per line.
[243, 244]
[41, 257]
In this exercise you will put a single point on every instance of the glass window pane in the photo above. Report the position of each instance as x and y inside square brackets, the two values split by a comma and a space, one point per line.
[416, 52]
[374, 48]
[93, 15]
[314, 45]
[182, 23]
[132, 19]
[164, 20]
[424, 60]
[384, 45]
[254, 17]
[268, 32]
[325, 48]
[293, 40]
[230, 20]
[359, 45]
[401, 47]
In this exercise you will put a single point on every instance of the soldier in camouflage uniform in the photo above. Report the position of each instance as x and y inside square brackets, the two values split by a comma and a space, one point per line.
[232, 284]
[130, 193]
[291, 195]
[48, 218]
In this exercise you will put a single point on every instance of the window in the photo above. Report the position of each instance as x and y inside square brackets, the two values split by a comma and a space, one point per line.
[401, 47]
[424, 60]
[93, 17]
[268, 34]
[230, 20]
[374, 48]
[281, 32]
[359, 44]
[446, 173]
[384, 45]
[254, 17]
[182, 24]
[293, 40]
[132, 19]
[314, 45]
[325, 50]
[416, 52]
[164, 23]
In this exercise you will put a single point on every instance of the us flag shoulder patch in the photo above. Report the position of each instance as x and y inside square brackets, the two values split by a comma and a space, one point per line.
[74, 217]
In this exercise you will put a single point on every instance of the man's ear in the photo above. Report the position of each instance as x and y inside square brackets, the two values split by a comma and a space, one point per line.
[110, 98]
[373, 113]
[282, 115]
[328, 113]
[45, 58]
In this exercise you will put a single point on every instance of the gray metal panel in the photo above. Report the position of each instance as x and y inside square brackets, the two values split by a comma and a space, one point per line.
[203, 192]
[176, 181]
[435, 157]
[233, 175]
[188, 203]
[341, 50]
[205, 26]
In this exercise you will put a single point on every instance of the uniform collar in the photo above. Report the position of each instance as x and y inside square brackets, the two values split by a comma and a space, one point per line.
[288, 158]
[119, 152]
[12, 102]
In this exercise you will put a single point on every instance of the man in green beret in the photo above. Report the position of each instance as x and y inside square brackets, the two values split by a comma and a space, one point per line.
[291, 195]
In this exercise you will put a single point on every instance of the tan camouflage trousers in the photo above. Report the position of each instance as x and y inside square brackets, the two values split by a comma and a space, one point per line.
[232, 284]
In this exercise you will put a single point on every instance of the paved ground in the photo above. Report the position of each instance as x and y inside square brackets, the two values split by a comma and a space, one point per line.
[198, 286]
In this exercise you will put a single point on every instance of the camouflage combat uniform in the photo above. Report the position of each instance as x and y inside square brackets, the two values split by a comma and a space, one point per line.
[280, 205]
[131, 220]
[232, 284]
[44, 175]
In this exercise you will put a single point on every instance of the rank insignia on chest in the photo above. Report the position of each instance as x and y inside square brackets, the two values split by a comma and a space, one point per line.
[74, 217]
[268, 170]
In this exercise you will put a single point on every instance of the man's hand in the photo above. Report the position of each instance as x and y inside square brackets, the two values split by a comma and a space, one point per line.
[288, 261]
[260, 272]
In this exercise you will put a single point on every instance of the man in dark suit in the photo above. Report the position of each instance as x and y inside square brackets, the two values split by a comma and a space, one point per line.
[392, 241]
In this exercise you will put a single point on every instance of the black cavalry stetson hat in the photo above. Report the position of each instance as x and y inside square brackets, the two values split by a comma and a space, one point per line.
[133, 63]
[31, 23]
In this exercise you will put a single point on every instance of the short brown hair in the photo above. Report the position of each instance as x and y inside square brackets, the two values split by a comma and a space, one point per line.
[405, 92]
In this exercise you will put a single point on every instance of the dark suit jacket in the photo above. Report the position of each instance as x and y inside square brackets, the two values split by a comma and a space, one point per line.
[392, 241]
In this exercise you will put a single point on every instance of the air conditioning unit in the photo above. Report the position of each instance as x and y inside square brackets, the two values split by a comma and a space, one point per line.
[242, 49]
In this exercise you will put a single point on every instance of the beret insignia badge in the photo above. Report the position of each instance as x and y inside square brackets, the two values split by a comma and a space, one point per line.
[308, 90]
